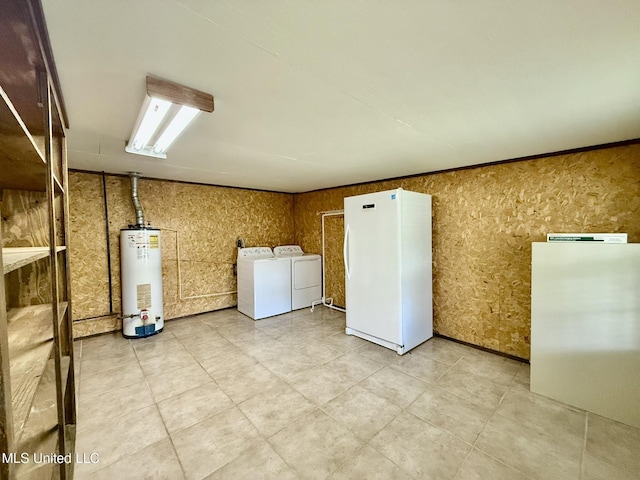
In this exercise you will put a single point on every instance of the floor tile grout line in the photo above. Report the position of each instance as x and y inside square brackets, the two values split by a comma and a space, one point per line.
[583, 457]
[346, 426]
[164, 424]
[417, 378]
[109, 390]
[119, 415]
[209, 418]
[471, 444]
[175, 451]
[442, 429]
[466, 457]
[437, 427]
[494, 414]
[383, 455]
[134, 452]
[362, 447]
[474, 446]
[316, 408]
[284, 460]
[511, 467]
[475, 442]
[200, 421]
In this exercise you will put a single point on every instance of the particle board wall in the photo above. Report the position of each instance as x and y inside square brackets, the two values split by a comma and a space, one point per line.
[89, 269]
[25, 224]
[206, 222]
[484, 220]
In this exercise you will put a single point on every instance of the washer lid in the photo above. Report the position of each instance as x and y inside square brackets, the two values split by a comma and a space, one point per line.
[288, 251]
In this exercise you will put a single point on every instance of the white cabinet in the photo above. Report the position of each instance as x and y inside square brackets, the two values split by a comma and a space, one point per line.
[585, 327]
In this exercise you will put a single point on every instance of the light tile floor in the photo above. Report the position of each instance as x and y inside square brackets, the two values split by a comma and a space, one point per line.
[220, 396]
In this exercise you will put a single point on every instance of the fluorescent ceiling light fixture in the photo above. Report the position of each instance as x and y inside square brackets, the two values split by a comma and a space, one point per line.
[154, 113]
[179, 123]
[168, 109]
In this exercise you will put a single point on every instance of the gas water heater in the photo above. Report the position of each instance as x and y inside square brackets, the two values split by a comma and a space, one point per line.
[141, 275]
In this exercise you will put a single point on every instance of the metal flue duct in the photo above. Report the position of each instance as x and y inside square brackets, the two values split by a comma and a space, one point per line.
[136, 201]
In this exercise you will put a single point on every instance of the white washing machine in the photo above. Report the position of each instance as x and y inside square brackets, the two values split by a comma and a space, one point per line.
[264, 283]
[306, 275]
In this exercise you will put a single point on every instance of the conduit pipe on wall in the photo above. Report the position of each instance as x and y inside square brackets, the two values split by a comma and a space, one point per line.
[107, 236]
[327, 302]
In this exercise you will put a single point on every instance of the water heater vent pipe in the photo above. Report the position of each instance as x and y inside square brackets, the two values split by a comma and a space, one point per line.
[136, 201]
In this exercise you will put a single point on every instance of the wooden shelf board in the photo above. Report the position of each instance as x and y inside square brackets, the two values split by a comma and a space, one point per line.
[58, 185]
[46, 443]
[43, 414]
[70, 442]
[66, 361]
[14, 258]
[21, 161]
[40, 434]
[44, 472]
[30, 337]
[18, 257]
[62, 308]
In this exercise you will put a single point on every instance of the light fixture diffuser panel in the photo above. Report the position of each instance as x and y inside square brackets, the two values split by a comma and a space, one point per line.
[180, 122]
[155, 110]
[168, 109]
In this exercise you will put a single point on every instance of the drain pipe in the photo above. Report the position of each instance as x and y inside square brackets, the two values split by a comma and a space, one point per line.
[136, 201]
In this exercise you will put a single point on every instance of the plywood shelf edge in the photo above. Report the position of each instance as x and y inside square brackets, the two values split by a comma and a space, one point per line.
[30, 338]
[14, 258]
[62, 309]
[18, 257]
[58, 184]
[43, 414]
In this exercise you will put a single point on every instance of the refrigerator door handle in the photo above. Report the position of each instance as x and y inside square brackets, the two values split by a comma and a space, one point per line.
[345, 251]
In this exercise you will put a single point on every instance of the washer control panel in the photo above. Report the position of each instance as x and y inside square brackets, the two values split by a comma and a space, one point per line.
[253, 252]
[288, 251]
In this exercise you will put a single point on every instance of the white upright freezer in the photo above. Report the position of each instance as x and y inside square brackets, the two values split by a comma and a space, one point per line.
[387, 256]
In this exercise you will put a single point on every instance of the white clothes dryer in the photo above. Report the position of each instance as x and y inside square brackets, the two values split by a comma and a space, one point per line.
[306, 275]
[264, 283]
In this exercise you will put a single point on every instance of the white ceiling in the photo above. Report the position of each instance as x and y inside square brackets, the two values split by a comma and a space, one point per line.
[314, 94]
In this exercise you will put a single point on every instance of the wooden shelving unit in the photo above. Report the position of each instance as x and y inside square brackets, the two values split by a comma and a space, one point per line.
[37, 385]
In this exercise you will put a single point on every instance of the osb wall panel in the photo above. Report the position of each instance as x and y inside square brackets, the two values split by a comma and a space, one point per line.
[334, 262]
[89, 274]
[203, 222]
[25, 224]
[97, 325]
[484, 220]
